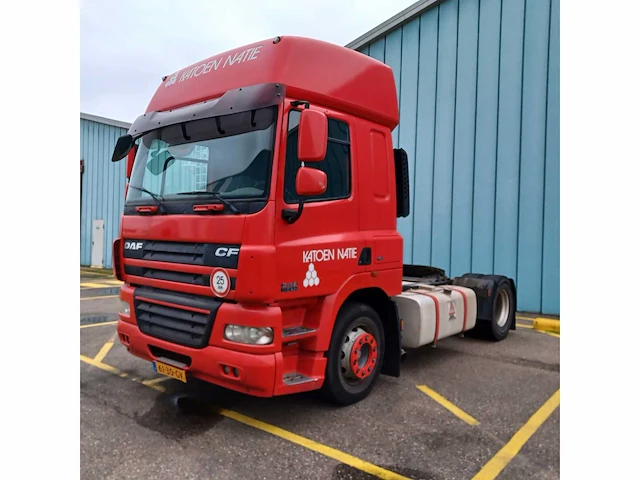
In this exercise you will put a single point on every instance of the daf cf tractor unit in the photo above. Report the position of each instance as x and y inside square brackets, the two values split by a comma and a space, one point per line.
[258, 247]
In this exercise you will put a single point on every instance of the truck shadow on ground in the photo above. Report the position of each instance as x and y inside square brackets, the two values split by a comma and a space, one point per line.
[191, 411]
[179, 415]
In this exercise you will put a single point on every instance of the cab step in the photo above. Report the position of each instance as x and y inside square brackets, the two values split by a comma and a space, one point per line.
[291, 332]
[295, 378]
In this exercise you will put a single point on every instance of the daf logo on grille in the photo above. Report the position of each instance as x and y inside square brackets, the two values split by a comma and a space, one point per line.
[133, 245]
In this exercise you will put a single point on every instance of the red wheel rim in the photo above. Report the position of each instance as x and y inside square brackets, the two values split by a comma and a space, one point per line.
[363, 356]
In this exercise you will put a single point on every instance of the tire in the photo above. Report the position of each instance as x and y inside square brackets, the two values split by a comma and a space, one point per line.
[358, 326]
[504, 313]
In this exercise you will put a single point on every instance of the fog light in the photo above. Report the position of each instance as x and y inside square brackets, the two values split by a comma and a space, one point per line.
[124, 307]
[250, 335]
[225, 369]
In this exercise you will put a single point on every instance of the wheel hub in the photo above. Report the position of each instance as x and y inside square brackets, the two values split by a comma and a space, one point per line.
[359, 354]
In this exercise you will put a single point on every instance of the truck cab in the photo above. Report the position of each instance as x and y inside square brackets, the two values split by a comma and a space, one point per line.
[258, 244]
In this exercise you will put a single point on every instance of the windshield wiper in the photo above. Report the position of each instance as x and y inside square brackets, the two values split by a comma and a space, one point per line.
[157, 198]
[214, 195]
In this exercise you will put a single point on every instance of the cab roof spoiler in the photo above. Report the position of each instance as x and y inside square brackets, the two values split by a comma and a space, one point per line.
[233, 101]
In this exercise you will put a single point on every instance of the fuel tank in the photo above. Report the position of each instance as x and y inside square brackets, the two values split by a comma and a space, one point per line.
[430, 313]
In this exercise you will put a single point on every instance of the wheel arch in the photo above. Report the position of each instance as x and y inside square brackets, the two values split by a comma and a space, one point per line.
[387, 309]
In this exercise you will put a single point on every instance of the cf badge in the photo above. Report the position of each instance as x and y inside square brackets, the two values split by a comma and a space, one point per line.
[220, 282]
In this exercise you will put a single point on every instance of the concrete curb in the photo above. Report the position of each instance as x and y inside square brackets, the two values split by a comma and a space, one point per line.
[546, 325]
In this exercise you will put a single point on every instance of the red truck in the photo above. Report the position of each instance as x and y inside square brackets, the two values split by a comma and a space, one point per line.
[258, 246]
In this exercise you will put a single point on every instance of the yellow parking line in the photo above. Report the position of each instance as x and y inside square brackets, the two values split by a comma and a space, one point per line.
[102, 366]
[96, 298]
[105, 349]
[465, 417]
[93, 285]
[311, 445]
[108, 274]
[115, 371]
[522, 325]
[493, 468]
[325, 450]
[108, 282]
[102, 324]
[155, 381]
[553, 334]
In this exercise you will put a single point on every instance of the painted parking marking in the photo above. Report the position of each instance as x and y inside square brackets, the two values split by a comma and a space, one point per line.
[155, 381]
[105, 349]
[523, 325]
[291, 437]
[457, 411]
[97, 286]
[99, 297]
[117, 372]
[96, 273]
[101, 324]
[101, 283]
[85, 285]
[501, 459]
[312, 445]
[530, 327]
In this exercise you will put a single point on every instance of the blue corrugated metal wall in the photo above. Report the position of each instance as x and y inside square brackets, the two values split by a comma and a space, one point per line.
[102, 186]
[478, 84]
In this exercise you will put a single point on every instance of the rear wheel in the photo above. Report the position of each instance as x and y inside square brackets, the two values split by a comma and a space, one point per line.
[355, 355]
[503, 313]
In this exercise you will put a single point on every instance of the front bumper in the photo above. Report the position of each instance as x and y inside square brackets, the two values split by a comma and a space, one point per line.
[256, 374]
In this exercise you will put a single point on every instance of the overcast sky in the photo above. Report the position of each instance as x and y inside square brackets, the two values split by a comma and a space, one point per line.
[128, 45]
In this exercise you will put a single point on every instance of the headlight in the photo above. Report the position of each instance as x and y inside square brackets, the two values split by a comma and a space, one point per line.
[250, 335]
[124, 307]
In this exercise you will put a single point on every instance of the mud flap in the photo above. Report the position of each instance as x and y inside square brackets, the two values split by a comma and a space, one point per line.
[393, 340]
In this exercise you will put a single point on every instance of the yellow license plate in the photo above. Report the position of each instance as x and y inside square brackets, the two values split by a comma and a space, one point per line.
[170, 371]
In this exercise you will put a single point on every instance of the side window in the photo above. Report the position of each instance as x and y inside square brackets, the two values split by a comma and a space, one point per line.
[336, 163]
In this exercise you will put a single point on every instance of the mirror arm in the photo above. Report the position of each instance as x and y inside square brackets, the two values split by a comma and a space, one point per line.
[297, 103]
[219, 127]
[292, 216]
[183, 127]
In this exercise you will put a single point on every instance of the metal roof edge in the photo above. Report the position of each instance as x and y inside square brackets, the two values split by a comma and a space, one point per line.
[394, 22]
[106, 121]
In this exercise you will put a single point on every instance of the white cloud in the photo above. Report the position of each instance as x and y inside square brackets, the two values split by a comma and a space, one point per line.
[126, 46]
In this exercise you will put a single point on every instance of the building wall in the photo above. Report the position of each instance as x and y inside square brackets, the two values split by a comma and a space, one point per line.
[478, 86]
[102, 186]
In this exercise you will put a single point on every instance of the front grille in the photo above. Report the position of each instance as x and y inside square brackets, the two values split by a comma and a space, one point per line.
[169, 319]
[174, 252]
[171, 276]
[186, 253]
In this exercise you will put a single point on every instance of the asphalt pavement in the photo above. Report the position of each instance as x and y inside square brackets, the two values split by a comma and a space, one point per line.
[468, 408]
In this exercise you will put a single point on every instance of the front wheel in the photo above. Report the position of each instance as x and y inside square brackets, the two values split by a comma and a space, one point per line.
[355, 354]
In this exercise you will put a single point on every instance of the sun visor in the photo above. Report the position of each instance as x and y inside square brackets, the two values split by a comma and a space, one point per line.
[237, 100]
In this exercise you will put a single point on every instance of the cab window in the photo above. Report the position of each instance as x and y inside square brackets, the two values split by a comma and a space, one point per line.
[336, 163]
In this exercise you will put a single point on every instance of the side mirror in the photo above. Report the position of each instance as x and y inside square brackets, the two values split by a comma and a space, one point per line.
[123, 145]
[131, 156]
[312, 136]
[310, 182]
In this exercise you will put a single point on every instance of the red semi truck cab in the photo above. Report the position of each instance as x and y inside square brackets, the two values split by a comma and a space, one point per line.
[258, 244]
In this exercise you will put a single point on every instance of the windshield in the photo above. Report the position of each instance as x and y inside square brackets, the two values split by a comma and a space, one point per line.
[230, 156]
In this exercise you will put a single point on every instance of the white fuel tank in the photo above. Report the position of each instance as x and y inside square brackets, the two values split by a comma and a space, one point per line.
[432, 313]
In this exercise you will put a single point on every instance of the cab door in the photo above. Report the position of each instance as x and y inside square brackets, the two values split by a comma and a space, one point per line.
[319, 251]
